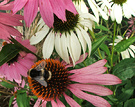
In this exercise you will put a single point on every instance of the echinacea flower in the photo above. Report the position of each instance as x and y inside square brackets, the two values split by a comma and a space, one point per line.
[90, 79]
[7, 21]
[47, 9]
[67, 37]
[20, 64]
[130, 52]
[121, 8]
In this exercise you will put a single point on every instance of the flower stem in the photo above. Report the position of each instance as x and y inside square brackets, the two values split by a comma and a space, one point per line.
[113, 44]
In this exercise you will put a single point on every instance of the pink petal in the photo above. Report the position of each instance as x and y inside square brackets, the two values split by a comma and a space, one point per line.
[46, 12]
[43, 103]
[31, 57]
[26, 63]
[8, 74]
[88, 71]
[95, 100]
[59, 9]
[54, 104]
[11, 30]
[23, 70]
[8, 19]
[8, 6]
[30, 11]
[23, 83]
[3, 68]
[96, 89]
[15, 73]
[4, 33]
[70, 6]
[103, 79]
[18, 5]
[60, 104]
[70, 101]
[37, 103]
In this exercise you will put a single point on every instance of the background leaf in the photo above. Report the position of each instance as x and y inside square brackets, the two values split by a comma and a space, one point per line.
[124, 44]
[7, 85]
[8, 52]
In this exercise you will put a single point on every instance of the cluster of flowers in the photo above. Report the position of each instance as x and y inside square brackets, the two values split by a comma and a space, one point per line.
[63, 28]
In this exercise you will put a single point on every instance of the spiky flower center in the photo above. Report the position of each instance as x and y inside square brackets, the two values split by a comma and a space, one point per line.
[56, 85]
[65, 26]
[119, 1]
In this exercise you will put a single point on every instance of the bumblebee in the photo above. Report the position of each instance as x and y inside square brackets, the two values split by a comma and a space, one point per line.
[40, 74]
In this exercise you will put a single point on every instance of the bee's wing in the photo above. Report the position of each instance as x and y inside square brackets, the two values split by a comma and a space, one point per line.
[41, 80]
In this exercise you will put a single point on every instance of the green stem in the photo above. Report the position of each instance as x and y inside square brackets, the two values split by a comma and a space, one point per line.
[113, 44]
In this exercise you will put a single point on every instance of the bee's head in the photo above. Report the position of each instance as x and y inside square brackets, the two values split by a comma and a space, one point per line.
[34, 73]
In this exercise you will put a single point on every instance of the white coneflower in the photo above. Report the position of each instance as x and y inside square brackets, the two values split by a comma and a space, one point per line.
[68, 37]
[120, 8]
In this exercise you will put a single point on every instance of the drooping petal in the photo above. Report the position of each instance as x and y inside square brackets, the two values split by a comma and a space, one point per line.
[8, 6]
[60, 104]
[9, 19]
[58, 7]
[37, 103]
[46, 12]
[88, 71]
[125, 54]
[30, 11]
[18, 5]
[103, 79]
[118, 13]
[48, 45]
[97, 89]
[70, 6]
[37, 37]
[87, 38]
[54, 104]
[70, 101]
[95, 100]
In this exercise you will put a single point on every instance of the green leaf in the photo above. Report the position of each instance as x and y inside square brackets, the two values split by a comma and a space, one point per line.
[11, 100]
[22, 99]
[126, 95]
[7, 85]
[130, 103]
[105, 48]
[101, 27]
[124, 44]
[125, 69]
[8, 52]
[97, 43]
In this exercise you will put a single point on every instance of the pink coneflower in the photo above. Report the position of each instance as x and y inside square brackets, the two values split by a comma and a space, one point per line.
[7, 21]
[20, 64]
[59, 80]
[47, 9]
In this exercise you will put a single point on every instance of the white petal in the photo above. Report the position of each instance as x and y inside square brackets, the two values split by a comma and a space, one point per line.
[87, 23]
[118, 13]
[40, 24]
[48, 45]
[126, 10]
[58, 44]
[88, 16]
[39, 36]
[87, 38]
[125, 54]
[64, 45]
[112, 13]
[132, 47]
[81, 39]
[94, 9]
[131, 52]
[103, 14]
[75, 46]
